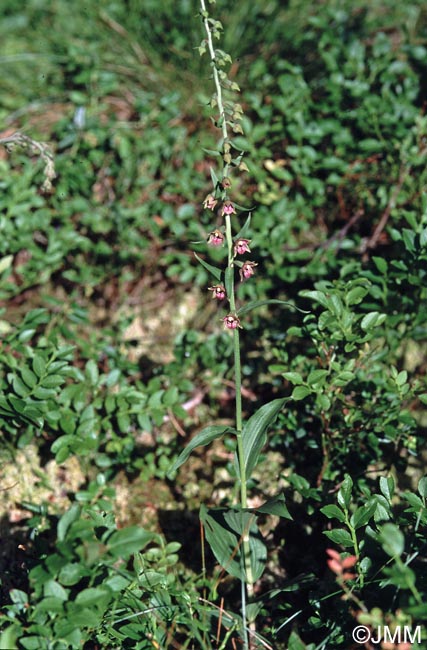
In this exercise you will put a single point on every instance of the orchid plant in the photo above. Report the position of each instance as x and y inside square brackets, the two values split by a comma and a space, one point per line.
[232, 532]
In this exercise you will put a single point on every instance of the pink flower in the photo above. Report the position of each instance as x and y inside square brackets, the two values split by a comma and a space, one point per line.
[247, 270]
[228, 208]
[218, 291]
[210, 202]
[216, 238]
[241, 246]
[231, 322]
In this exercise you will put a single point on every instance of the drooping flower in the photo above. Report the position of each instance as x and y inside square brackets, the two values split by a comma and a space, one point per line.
[218, 291]
[247, 270]
[210, 202]
[231, 322]
[241, 246]
[216, 238]
[228, 208]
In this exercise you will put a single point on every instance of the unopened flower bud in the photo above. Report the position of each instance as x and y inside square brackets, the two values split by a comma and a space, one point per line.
[231, 322]
[241, 246]
[216, 238]
[247, 270]
[218, 291]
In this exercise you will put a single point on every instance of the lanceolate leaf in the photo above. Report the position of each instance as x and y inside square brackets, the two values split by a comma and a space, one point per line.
[254, 432]
[245, 228]
[275, 506]
[212, 269]
[204, 437]
[223, 530]
[253, 304]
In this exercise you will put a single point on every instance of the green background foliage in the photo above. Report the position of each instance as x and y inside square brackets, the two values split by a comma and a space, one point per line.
[112, 353]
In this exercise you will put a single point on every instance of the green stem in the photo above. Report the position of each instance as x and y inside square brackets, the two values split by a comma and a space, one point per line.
[355, 546]
[216, 78]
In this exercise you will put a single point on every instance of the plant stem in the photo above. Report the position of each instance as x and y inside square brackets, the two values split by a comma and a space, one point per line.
[247, 581]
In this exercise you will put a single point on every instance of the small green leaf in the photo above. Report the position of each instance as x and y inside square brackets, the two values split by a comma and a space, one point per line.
[422, 486]
[363, 514]
[294, 377]
[344, 493]
[381, 264]
[212, 269]
[91, 372]
[340, 536]
[300, 392]
[67, 519]
[201, 439]
[6, 263]
[333, 512]
[372, 319]
[387, 487]
[126, 541]
[392, 540]
[318, 296]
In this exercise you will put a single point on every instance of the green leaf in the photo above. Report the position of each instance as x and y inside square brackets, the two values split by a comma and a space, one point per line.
[422, 486]
[6, 263]
[293, 377]
[392, 540]
[387, 487]
[333, 512]
[372, 319]
[39, 365]
[127, 541]
[67, 519]
[340, 536]
[214, 177]
[344, 493]
[363, 514]
[92, 372]
[317, 376]
[355, 296]
[381, 264]
[94, 596]
[254, 434]
[275, 506]
[300, 392]
[201, 439]
[224, 529]
[28, 377]
[212, 269]
[253, 304]
[244, 230]
[318, 296]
